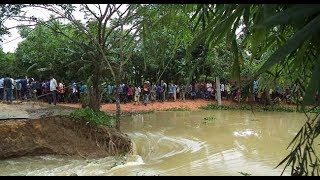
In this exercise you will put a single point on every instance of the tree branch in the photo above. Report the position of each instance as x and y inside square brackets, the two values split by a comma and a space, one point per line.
[94, 14]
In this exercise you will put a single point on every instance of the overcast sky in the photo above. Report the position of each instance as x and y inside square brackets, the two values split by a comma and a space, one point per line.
[10, 42]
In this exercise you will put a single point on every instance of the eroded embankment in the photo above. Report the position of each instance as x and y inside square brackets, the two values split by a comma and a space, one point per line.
[59, 135]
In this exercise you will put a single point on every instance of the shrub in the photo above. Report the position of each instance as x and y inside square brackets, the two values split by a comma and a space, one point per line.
[249, 107]
[178, 109]
[94, 117]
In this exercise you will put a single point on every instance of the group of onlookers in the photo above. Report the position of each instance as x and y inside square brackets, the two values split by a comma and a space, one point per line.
[52, 91]
[148, 92]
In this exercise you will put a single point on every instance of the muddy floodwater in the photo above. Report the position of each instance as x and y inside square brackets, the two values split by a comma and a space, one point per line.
[184, 143]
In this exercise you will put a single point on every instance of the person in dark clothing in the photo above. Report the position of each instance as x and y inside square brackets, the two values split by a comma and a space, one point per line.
[38, 88]
[1, 88]
[24, 88]
[159, 93]
[7, 86]
[125, 93]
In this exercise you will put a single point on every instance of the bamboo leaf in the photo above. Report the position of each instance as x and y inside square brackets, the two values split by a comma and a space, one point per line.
[31, 67]
[236, 64]
[292, 14]
[178, 40]
[246, 16]
[292, 44]
[196, 12]
[313, 85]
[257, 38]
[269, 10]
[224, 28]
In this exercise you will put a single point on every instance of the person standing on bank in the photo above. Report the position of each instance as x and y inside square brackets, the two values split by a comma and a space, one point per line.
[53, 90]
[7, 85]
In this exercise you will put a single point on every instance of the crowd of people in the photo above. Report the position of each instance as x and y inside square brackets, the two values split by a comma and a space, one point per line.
[53, 91]
[149, 92]
[50, 90]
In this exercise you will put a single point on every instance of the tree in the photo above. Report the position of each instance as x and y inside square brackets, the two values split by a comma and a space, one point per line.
[296, 27]
[7, 62]
[8, 11]
[98, 32]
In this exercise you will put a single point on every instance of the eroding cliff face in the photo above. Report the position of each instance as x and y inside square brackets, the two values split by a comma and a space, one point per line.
[59, 135]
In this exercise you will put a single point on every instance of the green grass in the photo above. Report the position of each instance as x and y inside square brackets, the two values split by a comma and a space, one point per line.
[258, 108]
[94, 117]
[244, 173]
[208, 120]
[178, 109]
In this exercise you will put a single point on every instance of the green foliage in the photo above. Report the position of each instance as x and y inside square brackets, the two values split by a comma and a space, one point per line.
[8, 65]
[259, 108]
[210, 119]
[179, 109]
[107, 98]
[94, 117]
[7, 11]
[244, 173]
[44, 52]
[303, 157]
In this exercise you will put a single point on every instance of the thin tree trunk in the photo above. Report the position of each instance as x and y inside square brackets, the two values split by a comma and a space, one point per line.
[94, 101]
[218, 90]
[118, 107]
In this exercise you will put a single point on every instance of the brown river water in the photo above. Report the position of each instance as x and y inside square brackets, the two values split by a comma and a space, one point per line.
[184, 143]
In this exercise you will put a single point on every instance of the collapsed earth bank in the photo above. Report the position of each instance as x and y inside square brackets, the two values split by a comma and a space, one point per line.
[60, 135]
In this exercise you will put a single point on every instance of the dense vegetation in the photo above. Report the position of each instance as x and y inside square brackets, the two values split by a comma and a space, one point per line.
[258, 108]
[94, 117]
[277, 44]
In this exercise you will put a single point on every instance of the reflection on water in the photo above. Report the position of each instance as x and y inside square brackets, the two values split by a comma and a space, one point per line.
[179, 143]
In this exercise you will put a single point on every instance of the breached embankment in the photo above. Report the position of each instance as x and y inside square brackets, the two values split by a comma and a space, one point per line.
[58, 134]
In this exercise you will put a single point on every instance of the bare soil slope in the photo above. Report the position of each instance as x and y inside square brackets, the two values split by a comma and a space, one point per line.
[59, 135]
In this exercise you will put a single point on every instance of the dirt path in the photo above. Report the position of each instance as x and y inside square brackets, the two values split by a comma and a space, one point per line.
[130, 107]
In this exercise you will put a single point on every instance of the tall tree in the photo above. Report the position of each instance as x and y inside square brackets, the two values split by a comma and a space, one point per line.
[296, 27]
[102, 22]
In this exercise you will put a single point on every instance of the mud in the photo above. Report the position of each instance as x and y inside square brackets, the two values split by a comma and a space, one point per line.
[48, 131]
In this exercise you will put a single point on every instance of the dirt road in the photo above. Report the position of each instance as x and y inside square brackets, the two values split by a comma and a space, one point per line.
[154, 106]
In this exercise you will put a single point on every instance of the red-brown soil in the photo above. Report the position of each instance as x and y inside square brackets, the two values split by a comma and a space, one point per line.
[155, 106]
[59, 135]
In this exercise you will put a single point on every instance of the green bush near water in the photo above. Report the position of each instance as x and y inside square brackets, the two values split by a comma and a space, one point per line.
[258, 108]
[178, 109]
[208, 120]
[94, 117]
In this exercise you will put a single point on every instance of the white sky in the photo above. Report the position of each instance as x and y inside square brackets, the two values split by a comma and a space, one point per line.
[10, 42]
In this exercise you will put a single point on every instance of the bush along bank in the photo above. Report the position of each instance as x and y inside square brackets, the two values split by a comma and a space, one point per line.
[258, 108]
[94, 117]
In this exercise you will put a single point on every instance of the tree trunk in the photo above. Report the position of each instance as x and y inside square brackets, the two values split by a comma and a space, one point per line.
[218, 91]
[94, 101]
[118, 108]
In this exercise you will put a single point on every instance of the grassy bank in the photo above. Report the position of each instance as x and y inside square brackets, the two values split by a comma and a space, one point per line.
[178, 109]
[94, 117]
[258, 108]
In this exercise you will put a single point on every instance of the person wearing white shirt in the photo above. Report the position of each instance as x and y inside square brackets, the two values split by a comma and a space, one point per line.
[53, 90]
[209, 89]
[13, 87]
[1, 89]
[222, 90]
